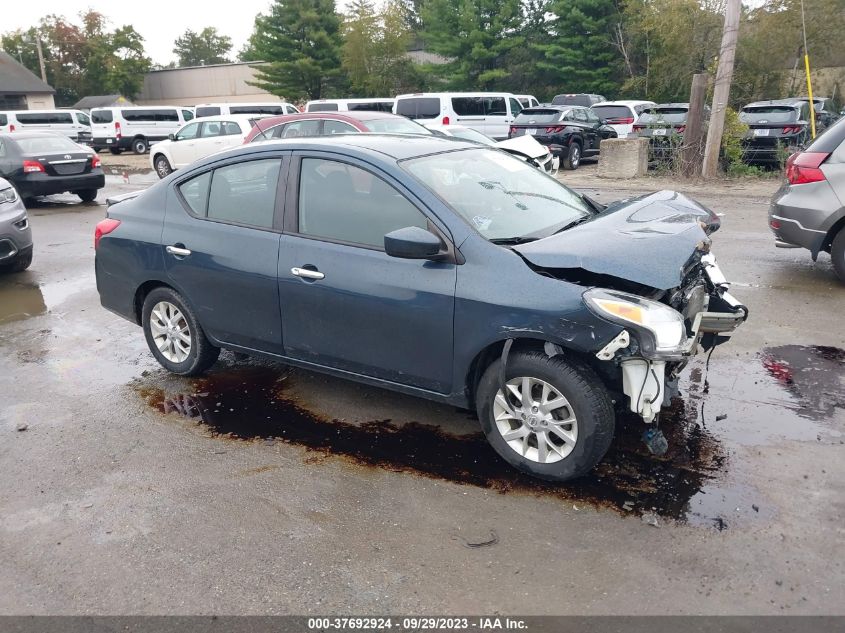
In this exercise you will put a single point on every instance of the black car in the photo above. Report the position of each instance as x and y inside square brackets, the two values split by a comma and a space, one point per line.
[570, 132]
[435, 267]
[776, 129]
[43, 163]
[580, 99]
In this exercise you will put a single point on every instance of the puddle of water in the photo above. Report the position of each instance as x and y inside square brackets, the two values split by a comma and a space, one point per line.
[814, 376]
[19, 300]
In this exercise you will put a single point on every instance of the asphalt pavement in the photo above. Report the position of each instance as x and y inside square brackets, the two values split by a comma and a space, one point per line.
[265, 490]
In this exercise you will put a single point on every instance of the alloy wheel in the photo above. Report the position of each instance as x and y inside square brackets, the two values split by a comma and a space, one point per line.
[171, 332]
[535, 420]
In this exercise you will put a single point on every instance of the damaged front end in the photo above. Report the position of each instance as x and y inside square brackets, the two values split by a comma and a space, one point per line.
[660, 336]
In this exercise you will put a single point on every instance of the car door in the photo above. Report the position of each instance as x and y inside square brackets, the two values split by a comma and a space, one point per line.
[210, 140]
[221, 249]
[231, 133]
[182, 148]
[590, 131]
[345, 303]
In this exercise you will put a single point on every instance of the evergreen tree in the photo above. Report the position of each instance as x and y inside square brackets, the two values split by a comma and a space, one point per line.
[203, 48]
[579, 56]
[360, 30]
[300, 40]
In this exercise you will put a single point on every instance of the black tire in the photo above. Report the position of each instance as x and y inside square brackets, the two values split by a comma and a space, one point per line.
[589, 401]
[837, 254]
[573, 156]
[162, 166]
[21, 262]
[115, 150]
[140, 145]
[87, 195]
[202, 353]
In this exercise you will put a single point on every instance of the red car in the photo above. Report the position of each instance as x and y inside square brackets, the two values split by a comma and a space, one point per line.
[328, 123]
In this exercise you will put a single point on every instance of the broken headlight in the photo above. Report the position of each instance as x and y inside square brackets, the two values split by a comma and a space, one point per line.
[8, 195]
[660, 327]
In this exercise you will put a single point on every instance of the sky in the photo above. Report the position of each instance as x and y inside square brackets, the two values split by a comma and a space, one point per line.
[160, 22]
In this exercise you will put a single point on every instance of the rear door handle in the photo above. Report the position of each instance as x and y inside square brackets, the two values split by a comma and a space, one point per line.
[305, 273]
[178, 251]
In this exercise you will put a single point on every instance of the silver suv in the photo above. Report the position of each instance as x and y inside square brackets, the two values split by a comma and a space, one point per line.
[809, 209]
[15, 234]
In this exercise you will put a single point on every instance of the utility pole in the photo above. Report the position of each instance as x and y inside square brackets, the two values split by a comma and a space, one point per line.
[722, 88]
[40, 57]
[691, 153]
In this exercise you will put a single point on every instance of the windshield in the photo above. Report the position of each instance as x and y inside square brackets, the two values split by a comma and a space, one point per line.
[769, 114]
[395, 126]
[500, 196]
[613, 112]
[471, 135]
[47, 144]
[669, 115]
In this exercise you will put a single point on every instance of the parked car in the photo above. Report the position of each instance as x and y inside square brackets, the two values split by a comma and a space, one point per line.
[621, 115]
[776, 129]
[808, 211]
[825, 112]
[268, 107]
[527, 101]
[134, 127]
[74, 124]
[664, 126]
[579, 99]
[350, 105]
[200, 138]
[330, 123]
[44, 163]
[490, 113]
[15, 234]
[570, 132]
[524, 147]
[431, 266]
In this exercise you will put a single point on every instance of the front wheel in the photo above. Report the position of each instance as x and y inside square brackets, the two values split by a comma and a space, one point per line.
[573, 157]
[162, 166]
[174, 334]
[555, 420]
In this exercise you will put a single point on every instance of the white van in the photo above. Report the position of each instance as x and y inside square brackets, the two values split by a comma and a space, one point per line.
[375, 104]
[135, 127]
[270, 107]
[74, 124]
[527, 101]
[490, 113]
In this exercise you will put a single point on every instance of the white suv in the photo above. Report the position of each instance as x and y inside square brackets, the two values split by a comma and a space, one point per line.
[490, 113]
[621, 115]
[199, 139]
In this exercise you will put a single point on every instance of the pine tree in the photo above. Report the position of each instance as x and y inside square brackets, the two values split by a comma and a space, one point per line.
[360, 30]
[300, 40]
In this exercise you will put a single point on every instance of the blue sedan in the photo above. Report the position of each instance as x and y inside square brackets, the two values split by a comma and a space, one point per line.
[430, 266]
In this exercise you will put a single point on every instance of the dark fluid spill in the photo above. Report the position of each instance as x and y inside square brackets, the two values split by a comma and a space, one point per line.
[251, 403]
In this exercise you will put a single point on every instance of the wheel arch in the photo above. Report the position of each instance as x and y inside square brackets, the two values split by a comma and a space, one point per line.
[145, 289]
[827, 240]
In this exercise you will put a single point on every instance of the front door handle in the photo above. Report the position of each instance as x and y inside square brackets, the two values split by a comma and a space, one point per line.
[178, 251]
[306, 273]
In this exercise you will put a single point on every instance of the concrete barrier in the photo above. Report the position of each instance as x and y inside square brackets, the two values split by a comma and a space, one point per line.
[623, 158]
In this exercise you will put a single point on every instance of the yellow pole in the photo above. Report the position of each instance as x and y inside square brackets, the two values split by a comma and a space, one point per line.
[810, 94]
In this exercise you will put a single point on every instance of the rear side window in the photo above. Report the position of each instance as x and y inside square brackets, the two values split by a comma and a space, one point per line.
[44, 118]
[208, 111]
[138, 116]
[769, 114]
[337, 127]
[479, 106]
[613, 112]
[323, 107]
[669, 115]
[4, 120]
[254, 109]
[195, 192]
[231, 128]
[169, 116]
[298, 128]
[245, 193]
[343, 203]
[102, 116]
[210, 128]
[373, 106]
[419, 107]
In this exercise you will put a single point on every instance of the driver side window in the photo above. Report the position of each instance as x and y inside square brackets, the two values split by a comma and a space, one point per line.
[188, 132]
[339, 202]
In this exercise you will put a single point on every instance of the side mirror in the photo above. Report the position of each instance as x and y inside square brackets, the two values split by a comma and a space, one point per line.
[171, 136]
[412, 242]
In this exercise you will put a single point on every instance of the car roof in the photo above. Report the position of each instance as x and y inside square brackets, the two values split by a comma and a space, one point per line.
[777, 102]
[355, 116]
[230, 117]
[456, 94]
[629, 102]
[672, 105]
[560, 108]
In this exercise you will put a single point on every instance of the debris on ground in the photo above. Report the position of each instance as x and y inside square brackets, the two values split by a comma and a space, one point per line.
[23, 426]
[719, 418]
[651, 519]
[494, 538]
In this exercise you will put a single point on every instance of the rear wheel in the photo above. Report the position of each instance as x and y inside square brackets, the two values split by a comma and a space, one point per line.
[573, 157]
[174, 335]
[139, 145]
[555, 421]
[162, 166]
[87, 195]
[837, 254]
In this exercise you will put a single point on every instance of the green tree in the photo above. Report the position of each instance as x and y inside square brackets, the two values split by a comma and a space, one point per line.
[476, 37]
[359, 38]
[300, 41]
[579, 56]
[394, 72]
[203, 48]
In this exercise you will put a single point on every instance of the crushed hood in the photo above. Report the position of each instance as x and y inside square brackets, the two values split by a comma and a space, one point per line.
[526, 145]
[649, 240]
